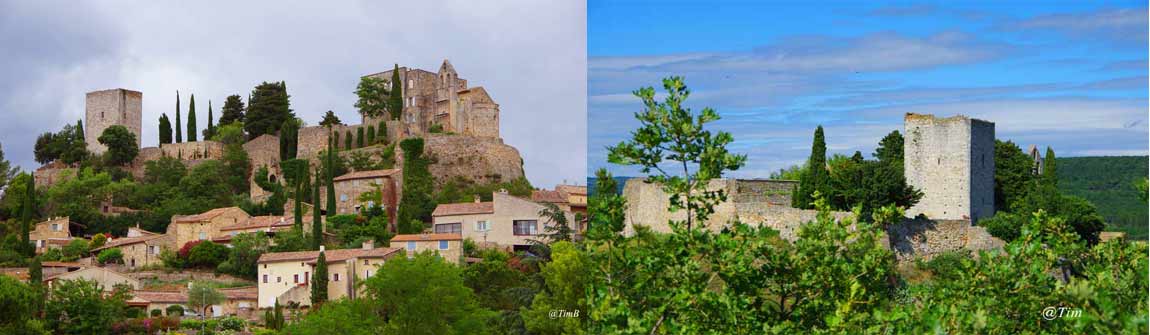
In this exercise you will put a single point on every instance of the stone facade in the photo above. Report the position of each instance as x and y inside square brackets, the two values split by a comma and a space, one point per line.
[754, 202]
[493, 224]
[925, 238]
[482, 160]
[449, 246]
[444, 99]
[50, 234]
[204, 226]
[951, 160]
[106, 108]
[52, 173]
[286, 276]
[349, 188]
[142, 250]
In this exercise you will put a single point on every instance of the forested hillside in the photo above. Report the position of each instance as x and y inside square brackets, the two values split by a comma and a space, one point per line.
[1109, 183]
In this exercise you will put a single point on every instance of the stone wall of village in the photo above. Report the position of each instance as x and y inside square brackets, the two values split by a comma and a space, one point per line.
[479, 159]
[926, 238]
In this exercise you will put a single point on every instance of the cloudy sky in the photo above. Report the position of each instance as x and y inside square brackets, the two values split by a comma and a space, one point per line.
[529, 55]
[1072, 76]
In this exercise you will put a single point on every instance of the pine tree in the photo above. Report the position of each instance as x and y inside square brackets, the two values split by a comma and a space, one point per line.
[815, 178]
[233, 110]
[192, 119]
[165, 129]
[319, 281]
[179, 130]
[316, 218]
[1050, 168]
[395, 97]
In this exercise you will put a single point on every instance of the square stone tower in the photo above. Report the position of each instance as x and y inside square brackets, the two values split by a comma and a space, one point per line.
[103, 109]
[951, 160]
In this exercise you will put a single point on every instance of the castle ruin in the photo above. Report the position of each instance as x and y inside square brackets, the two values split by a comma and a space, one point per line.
[951, 160]
[442, 98]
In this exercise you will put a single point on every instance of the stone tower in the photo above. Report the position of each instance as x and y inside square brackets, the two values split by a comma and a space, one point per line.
[103, 109]
[951, 160]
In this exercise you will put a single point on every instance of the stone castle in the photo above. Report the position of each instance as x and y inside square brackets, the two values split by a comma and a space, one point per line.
[951, 160]
[469, 145]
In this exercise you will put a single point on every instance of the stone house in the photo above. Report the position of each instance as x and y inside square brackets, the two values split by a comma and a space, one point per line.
[286, 276]
[51, 234]
[140, 248]
[349, 188]
[569, 198]
[106, 278]
[204, 226]
[446, 245]
[267, 224]
[238, 301]
[506, 221]
[161, 300]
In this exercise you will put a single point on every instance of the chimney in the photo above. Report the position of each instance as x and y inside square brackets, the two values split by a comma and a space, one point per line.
[369, 244]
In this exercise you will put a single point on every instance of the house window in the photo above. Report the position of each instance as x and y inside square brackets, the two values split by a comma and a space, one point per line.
[306, 275]
[279, 279]
[410, 83]
[343, 198]
[367, 273]
[203, 235]
[410, 246]
[55, 227]
[295, 278]
[265, 279]
[442, 245]
[335, 277]
[524, 227]
[365, 262]
[482, 225]
[153, 250]
[446, 228]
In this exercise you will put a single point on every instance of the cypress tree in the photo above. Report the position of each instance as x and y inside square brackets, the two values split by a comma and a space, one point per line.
[370, 135]
[816, 177]
[319, 281]
[35, 272]
[347, 141]
[330, 175]
[179, 130]
[289, 137]
[210, 131]
[192, 119]
[416, 205]
[382, 132]
[335, 139]
[359, 137]
[316, 218]
[395, 97]
[26, 209]
[1050, 168]
[80, 131]
[298, 210]
[165, 129]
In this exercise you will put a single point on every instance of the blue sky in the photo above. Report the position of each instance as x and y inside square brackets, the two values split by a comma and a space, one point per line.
[1070, 75]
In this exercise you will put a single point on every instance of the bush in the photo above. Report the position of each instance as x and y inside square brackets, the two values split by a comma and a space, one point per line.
[175, 310]
[1003, 225]
[157, 312]
[172, 259]
[113, 255]
[75, 249]
[207, 254]
[187, 248]
[232, 323]
[98, 240]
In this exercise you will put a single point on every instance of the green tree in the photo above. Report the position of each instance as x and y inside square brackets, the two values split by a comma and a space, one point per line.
[208, 255]
[27, 208]
[564, 279]
[210, 131]
[329, 175]
[319, 281]
[416, 204]
[1050, 168]
[244, 255]
[347, 141]
[121, 143]
[889, 150]
[329, 119]
[19, 308]
[233, 110]
[98, 241]
[382, 135]
[179, 130]
[297, 210]
[359, 137]
[192, 119]
[370, 135]
[202, 295]
[373, 94]
[344, 316]
[289, 139]
[316, 218]
[1013, 174]
[556, 227]
[816, 178]
[269, 107]
[81, 307]
[425, 295]
[165, 129]
[395, 97]
[111, 256]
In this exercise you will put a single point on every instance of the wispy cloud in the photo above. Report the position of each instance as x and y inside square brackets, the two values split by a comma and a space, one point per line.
[1125, 25]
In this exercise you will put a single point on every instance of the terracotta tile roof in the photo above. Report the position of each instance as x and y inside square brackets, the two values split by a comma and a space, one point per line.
[267, 221]
[51, 264]
[241, 293]
[366, 174]
[205, 216]
[128, 240]
[335, 255]
[464, 208]
[427, 237]
[548, 196]
[572, 189]
[162, 296]
[59, 241]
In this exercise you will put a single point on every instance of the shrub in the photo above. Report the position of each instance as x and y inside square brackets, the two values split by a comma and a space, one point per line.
[113, 255]
[98, 240]
[232, 323]
[175, 310]
[207, 254]
[172, 259]
[187, 248]
[157, 312]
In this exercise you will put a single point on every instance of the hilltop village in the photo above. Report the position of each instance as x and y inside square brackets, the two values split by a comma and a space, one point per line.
[265, 211]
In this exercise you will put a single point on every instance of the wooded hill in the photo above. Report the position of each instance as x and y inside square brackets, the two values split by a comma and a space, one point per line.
[1109, 183]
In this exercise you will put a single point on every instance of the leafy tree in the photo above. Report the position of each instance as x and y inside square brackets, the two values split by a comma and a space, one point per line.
[81, 307]
[319, 281]
[210, 131]
[121, 143]
[19, 308]
[237, 165]
[44, 151]
[344, 316]
[1013, 177]
[291, 240]
[869, 185]
[1143, 186]
[329, 119]
[98, 241]
[359, 137]
[202, 295]
[75, 249]
[427, 294]
[556, 228]
[816, 178]
[165, 129]
[233, 110]
[192, 119]
[564, 278]
[111, 256]
[395, 97]
[207, 254]
[289, 139]
[268, 108]
[67, 145]
[889, 150]
[179, 130]
[244, 255]
[373, 95]
[174, 310]
[370, 135]
[793, 172]
[416, 204]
